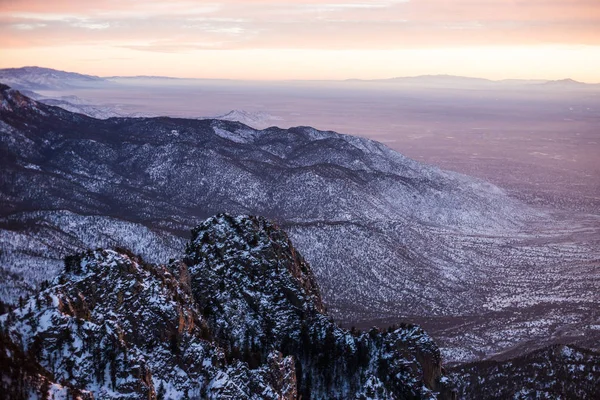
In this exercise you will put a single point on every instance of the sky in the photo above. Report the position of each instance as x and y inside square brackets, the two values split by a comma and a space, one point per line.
[308, 39]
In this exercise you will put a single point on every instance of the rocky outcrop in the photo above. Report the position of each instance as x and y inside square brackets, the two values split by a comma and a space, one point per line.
[282, 375]
[240, 317]
[21, 376]
[259, 294]
[117, 327]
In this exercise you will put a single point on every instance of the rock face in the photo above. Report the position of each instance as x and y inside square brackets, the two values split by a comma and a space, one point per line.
[114, 326]
[555, 372]
[240, 316]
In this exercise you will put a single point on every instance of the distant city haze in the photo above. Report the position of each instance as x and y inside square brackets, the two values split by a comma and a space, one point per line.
[333, 39]
[538, 139]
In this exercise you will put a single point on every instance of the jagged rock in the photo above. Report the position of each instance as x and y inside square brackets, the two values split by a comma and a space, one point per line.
[21, 376]
[259, 294]
[282, 375]
[116, 326]
[241, 317]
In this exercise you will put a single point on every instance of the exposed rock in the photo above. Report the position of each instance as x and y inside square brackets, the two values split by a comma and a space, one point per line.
[259, 294]
[242, 317]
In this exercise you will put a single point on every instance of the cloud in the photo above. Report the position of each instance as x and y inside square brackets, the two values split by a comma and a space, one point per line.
[90, 25]
[171, 46]
[306, 24]
[30, 26]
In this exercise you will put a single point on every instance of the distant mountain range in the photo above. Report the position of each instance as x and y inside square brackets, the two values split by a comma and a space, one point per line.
[259, 119]
[30, 79]
[37, 78]
[450, 81]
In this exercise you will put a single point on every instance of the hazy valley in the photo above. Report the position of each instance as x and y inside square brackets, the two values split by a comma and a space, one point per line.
[489, 270]
[537, 139]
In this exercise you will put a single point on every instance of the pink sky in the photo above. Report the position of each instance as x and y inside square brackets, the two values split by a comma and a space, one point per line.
[332, 39]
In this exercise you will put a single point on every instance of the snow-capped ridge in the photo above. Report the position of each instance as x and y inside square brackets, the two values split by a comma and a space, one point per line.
[240, 316]
[37, 78]
[250, 118]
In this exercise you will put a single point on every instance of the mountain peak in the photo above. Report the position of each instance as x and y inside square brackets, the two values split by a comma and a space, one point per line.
[241, 317]
[221, 242]
[135, 331]
[565, 82]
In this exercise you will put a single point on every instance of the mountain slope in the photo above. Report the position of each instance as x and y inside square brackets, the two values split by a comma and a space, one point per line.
[255, 120]
[114, 326]
[386, 235]
[161, 172]
[37, 78]
[554, 372]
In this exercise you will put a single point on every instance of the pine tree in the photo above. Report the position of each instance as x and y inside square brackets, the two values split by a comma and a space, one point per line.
[175, 343]
[160, 395]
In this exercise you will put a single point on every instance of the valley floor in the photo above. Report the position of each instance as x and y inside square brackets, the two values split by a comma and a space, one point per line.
[543, 289]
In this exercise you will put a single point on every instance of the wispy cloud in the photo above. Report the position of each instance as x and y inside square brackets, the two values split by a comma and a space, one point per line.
[86, 24]
[184, 26]
[29, 26]
[307, 24]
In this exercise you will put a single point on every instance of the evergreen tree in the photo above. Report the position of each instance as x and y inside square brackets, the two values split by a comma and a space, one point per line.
[160, 395]
[175, 343]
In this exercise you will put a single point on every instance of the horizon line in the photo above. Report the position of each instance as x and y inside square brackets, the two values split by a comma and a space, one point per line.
[568, 79]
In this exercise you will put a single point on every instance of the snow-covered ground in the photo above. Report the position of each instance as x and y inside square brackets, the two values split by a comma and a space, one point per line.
[388, 237]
